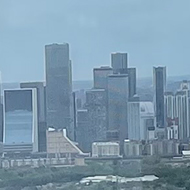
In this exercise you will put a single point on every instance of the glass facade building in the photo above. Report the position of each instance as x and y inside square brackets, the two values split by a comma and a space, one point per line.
[159, 75]
[20, 120]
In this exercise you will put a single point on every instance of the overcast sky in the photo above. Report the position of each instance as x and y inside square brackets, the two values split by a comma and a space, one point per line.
[153, 32]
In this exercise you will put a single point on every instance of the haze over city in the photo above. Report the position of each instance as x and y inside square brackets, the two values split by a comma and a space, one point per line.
[152, 32]
[94, 95]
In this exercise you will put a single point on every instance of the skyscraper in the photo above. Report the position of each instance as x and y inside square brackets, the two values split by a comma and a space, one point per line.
[159, 75]
[39, 86]
[96, 105]
[134, 118]
[117, 107]
[169, 100]
[59, 87]
[20, 121]
[132, 81]
[182, 110]
[83, 133]
[100, 76]
[119, 63]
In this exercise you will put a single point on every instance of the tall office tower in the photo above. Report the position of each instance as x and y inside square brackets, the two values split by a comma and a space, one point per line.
[59, 87]
[83, 132]
[132, 81]
[182, 110]
[117, 108]
[96, 105]
[39, 86]
[147, 121]
[100, 76]
[20, 121]
[159, 76]
[134, 118]
[119, 63]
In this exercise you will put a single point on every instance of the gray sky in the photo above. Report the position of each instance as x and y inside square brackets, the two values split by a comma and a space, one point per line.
[153, 32]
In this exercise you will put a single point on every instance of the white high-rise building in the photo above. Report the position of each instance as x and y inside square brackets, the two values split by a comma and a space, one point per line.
[182, 113]
[169, 100]
[134, 119]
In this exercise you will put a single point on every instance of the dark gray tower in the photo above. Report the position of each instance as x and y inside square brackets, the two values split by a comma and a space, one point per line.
[117, 108]
[132, 81]
[58, 87]
[159, 75]
[119, 63]
[100, 76]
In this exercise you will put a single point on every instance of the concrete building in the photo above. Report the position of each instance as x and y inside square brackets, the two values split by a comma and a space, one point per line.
[178, 112]
[39, 86]
[119, 63]
[117, 108]
[83, 131]
[159, 76]
[164, 147]
[182, 113]
[60, 146]
[97, 111]
[59, 87]
[147, 121]
[100, 76]
[132, 81]
[132, 148]
[105, 149]
[169, 100]
[20, 121]
[173, 132]
[134, 119]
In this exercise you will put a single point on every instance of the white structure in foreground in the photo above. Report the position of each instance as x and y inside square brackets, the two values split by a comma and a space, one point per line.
[105, 149]
[114, 179]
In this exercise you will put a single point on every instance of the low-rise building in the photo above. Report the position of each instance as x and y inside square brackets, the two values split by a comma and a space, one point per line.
[132, 148]
[59, 145]
[105, 149]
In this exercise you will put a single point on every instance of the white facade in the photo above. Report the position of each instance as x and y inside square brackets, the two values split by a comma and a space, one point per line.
[182, 113]
[172, 132]
[132, 148]
[169, 100]
[105, 149]
[147, 120]
[134, 120]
